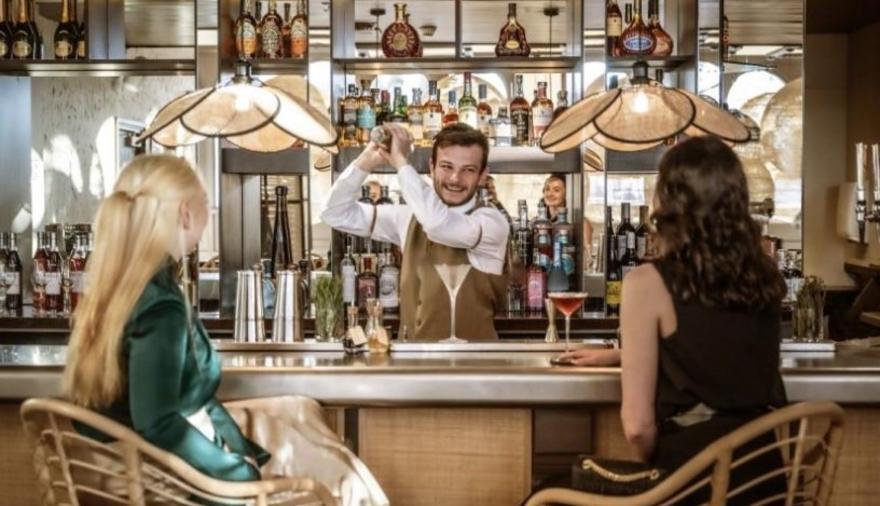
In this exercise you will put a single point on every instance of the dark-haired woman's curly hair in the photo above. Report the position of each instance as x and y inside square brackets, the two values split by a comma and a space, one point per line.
[709, 245]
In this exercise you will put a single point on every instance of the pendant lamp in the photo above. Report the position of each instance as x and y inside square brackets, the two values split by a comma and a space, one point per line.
[641, 115]
[244, 111]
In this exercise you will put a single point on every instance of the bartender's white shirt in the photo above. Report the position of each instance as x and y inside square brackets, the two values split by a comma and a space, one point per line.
[483, 233]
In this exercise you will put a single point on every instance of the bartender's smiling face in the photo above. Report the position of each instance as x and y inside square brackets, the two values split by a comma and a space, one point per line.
[456, 173]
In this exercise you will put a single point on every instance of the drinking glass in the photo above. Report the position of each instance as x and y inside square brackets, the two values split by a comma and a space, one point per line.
[453, 277]
[567, 303]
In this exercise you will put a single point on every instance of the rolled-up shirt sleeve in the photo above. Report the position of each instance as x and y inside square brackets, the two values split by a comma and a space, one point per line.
[344, 213]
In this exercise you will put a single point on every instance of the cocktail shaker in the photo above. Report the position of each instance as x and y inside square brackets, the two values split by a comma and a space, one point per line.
[288, 320]
[249, 326]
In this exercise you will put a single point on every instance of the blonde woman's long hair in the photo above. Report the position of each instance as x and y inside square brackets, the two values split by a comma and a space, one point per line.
[136, 228]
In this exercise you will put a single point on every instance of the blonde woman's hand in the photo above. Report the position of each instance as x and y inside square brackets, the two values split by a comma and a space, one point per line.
[593, 357]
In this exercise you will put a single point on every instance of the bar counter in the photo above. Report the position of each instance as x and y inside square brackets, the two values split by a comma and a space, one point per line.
[476, 423]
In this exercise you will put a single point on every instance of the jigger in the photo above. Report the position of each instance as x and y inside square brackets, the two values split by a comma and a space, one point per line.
[287, 323]
[249, 327]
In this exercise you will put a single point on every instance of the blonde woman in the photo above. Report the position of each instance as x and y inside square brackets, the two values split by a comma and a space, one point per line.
[137, 355]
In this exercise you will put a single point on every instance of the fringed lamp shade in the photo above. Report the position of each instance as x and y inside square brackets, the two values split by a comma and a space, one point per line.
[245, 112]
[639, 116]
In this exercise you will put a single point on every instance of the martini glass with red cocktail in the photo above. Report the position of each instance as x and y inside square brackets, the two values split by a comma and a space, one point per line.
[567, 303]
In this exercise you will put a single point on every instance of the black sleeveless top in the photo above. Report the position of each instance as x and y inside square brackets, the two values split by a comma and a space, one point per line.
[726, 359]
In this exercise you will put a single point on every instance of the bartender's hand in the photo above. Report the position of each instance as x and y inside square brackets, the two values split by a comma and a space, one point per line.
[401, 146]
[371, 158]
[593, 357]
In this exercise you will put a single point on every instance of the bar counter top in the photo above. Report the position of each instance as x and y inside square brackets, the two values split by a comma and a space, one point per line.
[498, 374]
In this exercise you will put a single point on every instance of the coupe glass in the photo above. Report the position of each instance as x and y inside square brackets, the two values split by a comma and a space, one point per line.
[453, 277]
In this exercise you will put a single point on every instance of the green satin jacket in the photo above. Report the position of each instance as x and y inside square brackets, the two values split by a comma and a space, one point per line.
[173, 370]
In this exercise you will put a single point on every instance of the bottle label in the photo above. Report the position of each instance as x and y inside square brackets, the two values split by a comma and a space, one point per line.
[21, 49]
[366, 117]
[415, 127]
[399, 41]
[512, 43]
[541, 117]
[349, 278]
[63, 48]
[4, 49]
[13, 283]
[468, 116]
[612, 293]
[39, 274]
[641, 247]
[271, 39]
[81, 48]
[247, 35]
[535, 291]
[77, 282]
[484, 124]
[299, 38]
[638, 44]
[388, 282]
[431, 123]
[520, 120]
[349, 116]
[53, 283]
[621, 246]
[568, 253]
[503, 130]
[613, 26]
[630, 240]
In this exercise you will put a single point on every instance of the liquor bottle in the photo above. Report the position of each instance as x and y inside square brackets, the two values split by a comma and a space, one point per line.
[53, 302]
[285, 31]
[557, 279]
[563, 233]
[451, 116]
[467, 106]
[364, 244]
[613, 278]
[414, 116]
[786, 274]
[367, 281]
[542, 112]
[663, 41]
[624, 228]
[65, 35]
[13, 277]
[484, 111]
[349, 277]
[398, 114]
[81, 33]
[400, 39]
[271, 30]
[523, 234]
[246, 33]
[512, 39]
[643, 236]
[629, 260]
[305, 284]
[432, 117]
[637, 39]
[536, 288]
[613, 28]
[519, 115]
[542, 231]
[725, 36]
[383, 110]
[366, 113]
[561, 103]
[76, 266]
[282, 256]
[349, 117]
[39, 274]
[259, 16]
[6, 29]
[299, 32]
[389, 282]
[24, 38]
[503, 128]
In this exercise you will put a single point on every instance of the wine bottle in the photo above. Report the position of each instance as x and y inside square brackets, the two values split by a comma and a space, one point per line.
[282, 256]
[389, 281]
[299, 32]
[6, 30]
[629, 261]
[512, 38]
[65, 34]
[367, 281]
[52, 277]
[76, 266]
[246, 33]
[519, 115]
[624, 228]
[13, 278]
[467, 106]
[39, 274]
[643, 235]
[613, 278]
[349, 277]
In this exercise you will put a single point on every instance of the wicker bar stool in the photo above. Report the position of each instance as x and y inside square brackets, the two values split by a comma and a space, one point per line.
[808, 435]
[76, 470]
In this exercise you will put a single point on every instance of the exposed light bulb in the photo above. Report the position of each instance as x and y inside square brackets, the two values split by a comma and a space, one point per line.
[640, 102]
[242, 103]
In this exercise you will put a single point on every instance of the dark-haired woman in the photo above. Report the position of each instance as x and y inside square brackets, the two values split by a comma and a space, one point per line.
[700, 324]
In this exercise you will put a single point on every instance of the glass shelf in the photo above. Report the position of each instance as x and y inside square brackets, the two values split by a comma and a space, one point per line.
[667, 63]
[281, 66]
[97, 68]
[421, 65]
[502, 160]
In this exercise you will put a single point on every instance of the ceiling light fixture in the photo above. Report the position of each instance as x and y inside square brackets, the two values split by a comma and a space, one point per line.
[244, 111]
[639, 116]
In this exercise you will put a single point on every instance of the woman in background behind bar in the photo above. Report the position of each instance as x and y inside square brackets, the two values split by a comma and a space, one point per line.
[700, 325]
[138, 355]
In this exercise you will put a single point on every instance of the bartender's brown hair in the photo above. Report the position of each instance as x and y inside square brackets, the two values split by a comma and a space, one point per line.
[136, 229]
[709, 245]
[461, 134]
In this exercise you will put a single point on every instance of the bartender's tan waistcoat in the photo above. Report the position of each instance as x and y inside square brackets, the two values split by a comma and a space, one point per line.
[424, 300]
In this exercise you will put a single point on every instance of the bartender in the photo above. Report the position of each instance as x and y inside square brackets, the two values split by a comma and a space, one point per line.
[441, 223]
